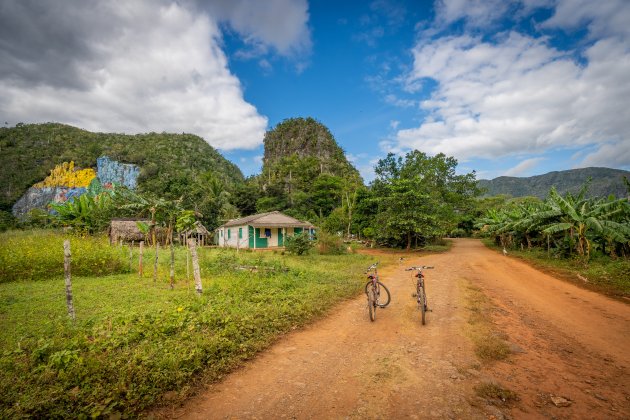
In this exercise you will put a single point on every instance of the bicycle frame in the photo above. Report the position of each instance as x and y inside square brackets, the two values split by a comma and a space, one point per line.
[373, 290]
[421, 294]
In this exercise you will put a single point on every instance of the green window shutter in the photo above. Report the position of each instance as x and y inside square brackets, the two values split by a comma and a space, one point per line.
[240, 233]
[229, 232]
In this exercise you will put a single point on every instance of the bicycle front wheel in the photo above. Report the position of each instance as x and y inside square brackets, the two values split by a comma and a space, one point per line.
[371, 301]
[383, 297]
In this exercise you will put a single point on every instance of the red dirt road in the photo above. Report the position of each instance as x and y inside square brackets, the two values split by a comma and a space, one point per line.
[566, 342]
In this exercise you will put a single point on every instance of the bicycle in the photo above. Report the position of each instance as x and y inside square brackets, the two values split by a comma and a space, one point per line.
[421, 293]
[373, 291]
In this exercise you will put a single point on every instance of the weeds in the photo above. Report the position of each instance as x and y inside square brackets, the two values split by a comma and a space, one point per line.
[135, 340]
[495, 393]
[36, 255]
[489, 346]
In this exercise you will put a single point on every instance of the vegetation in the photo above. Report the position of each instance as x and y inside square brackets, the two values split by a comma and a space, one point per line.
[489, 346]
[172, 166]
[37, 255]
[586, 240]
[298, 244]
[603, 182]
[416, 199]
[134, 339]
[565, 226]
[305, 173]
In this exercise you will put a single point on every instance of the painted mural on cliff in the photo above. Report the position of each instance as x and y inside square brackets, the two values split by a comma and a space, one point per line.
[66, 182]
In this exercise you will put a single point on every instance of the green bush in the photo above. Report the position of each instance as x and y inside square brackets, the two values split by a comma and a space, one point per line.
[298, 244]
[328, 244]
[38, 254]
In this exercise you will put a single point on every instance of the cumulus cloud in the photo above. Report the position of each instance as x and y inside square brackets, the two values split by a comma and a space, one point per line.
[132, 67]
[279, 24]
[513, 94]
[523, 167]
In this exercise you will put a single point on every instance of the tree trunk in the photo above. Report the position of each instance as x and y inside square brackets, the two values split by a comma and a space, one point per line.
[67, 259]
[195, 264]
[408, 241]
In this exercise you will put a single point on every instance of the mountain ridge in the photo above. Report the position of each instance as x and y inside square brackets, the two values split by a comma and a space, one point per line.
[603, 182]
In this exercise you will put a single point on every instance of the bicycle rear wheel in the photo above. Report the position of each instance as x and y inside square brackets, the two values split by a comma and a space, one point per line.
[371, 301]
[422, 303]
[383, 297]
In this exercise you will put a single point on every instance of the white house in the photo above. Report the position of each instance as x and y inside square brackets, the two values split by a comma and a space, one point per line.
[264, 230]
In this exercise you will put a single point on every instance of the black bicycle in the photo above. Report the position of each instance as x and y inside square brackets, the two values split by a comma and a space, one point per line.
[421, 293]
[373, 289]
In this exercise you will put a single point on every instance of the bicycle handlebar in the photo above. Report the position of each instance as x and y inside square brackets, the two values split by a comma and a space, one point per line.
[372, 267]
[419, 268]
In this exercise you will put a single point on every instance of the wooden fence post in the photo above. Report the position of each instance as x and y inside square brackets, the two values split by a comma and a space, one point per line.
[131, 258]
[140, 258]
[195, 264]
[172, 266]
[155, 263]
[67, 259]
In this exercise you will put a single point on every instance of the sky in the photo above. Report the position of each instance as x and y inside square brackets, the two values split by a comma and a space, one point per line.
[508, 87]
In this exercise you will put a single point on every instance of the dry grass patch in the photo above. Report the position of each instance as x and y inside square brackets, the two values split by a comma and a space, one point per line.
[489, 345]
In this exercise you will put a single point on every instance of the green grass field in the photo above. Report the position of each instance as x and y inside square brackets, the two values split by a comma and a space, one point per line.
[134, 339]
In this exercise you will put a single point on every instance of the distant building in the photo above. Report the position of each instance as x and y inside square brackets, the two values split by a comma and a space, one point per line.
[259, 231]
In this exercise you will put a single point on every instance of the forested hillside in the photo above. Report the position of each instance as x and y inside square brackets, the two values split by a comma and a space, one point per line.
[172, 166]
[604, 181]
[305, 172]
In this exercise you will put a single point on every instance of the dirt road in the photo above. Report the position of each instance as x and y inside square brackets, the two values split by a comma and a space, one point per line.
[566, 342]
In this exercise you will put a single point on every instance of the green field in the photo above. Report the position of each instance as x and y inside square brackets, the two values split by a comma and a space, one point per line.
[134, 339]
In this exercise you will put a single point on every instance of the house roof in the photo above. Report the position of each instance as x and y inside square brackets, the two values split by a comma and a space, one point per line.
[198, 228]
[270, 219]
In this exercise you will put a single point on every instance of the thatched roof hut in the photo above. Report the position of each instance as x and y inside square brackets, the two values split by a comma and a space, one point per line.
[126, 230]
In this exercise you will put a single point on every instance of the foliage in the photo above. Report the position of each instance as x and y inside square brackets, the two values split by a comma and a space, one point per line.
[419, 197]
[298, 244]
[305, 173]
[134, 340]
[564, 225]
[38, 254]
[90, 212]
[172, 166]
[330, 244]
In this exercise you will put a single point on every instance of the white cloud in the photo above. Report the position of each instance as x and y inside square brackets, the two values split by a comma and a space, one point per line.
[154, 67]
[281, 24]
[518, 94]
[476, 12]
[603, 18]
[523, 167]
[611, 155]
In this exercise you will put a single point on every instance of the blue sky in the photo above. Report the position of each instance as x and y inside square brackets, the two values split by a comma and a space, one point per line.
[508, 87]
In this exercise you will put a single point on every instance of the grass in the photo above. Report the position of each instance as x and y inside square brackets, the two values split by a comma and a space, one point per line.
[35, 255]
[602, 274]
[134, 339]
[489, 346]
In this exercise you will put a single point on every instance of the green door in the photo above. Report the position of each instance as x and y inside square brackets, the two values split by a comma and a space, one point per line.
[280, 237]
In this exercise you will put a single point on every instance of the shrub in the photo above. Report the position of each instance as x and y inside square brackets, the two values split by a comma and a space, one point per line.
[298, 244]
[328, 244]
